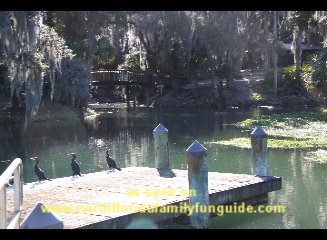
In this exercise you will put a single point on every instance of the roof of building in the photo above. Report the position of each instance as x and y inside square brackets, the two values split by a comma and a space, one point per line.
[304, 46]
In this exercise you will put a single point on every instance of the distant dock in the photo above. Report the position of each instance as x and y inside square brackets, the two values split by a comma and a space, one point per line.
[114, 199]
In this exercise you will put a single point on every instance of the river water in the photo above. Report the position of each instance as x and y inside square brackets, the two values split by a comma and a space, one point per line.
[128, 135]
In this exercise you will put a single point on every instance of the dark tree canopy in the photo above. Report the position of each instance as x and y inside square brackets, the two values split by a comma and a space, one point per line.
[58, 49]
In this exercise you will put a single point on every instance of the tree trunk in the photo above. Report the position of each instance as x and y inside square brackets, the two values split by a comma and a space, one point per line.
[251, 21]
[142, 60]
[229, 77]
[149, 57]
[275, 54]
[175, 79]
[237, 63]
[266, 48]
[237, 59]
[266, 59]
[214, 77]
[193, 79]
[297, 51]
[218, 89]
[307, 37]
[175, 83]
[91, 39]
[192, 73]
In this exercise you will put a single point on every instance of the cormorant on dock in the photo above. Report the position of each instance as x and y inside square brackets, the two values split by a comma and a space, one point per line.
[75, 166]
[38, 171]
[111, 162]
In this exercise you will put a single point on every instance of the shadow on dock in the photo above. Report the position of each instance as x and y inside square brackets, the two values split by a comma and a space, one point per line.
[166, 173]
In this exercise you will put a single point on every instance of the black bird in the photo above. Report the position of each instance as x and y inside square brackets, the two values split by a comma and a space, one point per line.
[111, 162]
[75, 166]
[38, 171]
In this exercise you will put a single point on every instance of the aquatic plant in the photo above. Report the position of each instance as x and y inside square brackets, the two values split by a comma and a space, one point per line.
[319, 156]
[286, 130]
[243, 142]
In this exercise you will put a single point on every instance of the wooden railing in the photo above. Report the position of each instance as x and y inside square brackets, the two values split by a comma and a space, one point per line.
[146, 78]
[16, 168]
[143, 78]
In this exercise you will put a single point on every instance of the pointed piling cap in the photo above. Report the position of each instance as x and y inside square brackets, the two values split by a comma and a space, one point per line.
[196, 148]
[160, 129]
[39, 218]
[258, 133]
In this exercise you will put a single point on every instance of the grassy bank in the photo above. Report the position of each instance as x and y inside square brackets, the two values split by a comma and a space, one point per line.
[301, 130]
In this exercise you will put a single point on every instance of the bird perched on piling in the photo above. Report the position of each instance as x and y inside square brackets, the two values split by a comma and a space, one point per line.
[111, 162]
[75, 166]
[38, 171]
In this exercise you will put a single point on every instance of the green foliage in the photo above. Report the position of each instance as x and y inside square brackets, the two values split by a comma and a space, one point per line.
[315, 76]
[104, 53]
[289, 81]
[301, 18]
[132, 62]
[84, 32]
[72, 26]
[319, 70]
[256, 97]
[304, 19]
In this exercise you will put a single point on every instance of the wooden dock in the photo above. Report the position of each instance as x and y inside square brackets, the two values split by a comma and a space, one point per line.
[114, 199]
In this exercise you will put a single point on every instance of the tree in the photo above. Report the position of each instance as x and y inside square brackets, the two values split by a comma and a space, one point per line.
[86, 31]
[171, 42]
[247, 24]
[320, 18]
[296, 48]
[215, 39]
[30, 50]
[299, 25]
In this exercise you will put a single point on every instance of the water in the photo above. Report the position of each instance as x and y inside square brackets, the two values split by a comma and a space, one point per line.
[127, 134]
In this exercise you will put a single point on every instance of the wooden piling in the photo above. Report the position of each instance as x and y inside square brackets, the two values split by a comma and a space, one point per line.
[259, 152]
[198, 183]
[160, 134]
